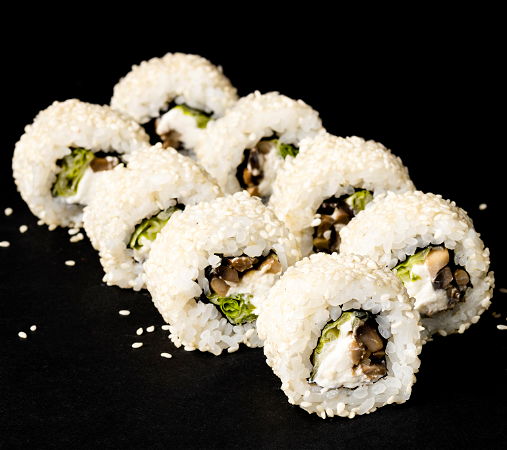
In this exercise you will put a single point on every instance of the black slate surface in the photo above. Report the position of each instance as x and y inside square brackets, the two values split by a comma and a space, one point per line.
[77, 383]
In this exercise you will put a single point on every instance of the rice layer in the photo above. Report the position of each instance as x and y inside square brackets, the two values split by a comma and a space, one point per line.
[153, 180]
[220, 148]
[396, 225]
[329, 166]
[48, 139]
[314, 292]
[197, 238]
[191, 79]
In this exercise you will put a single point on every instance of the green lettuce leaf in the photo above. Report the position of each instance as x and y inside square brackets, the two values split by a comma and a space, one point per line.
[285, 149]
[331, 332]
[149, 228]
[404, 270]
[236, 308]
[358, 200]
[200, 117]
[73, 168]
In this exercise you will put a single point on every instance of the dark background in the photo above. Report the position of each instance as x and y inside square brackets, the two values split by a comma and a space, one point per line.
[428, 92]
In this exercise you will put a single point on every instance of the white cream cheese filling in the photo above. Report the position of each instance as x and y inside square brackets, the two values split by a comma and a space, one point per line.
[336, 367]
[427, 300]
[271, 164]
[184, 124]
[85, 188]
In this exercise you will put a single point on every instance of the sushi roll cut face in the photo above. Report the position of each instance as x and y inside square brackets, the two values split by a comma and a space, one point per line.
[135, 203]
[246, 148]
[211, 267]
[330, 181]
[433, 248]
[180, 93]
[66, 153]
[341, 334]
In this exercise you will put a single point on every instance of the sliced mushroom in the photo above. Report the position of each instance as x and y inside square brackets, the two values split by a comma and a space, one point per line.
[436, 260]
[254, 162]
[341, 216]
[443, 279]
[453, 296]
[270, 265]
[254, 191]
[321, 244]
[326, 222]
[369, 337]
[378, 354]
[171, 139]
[226, 273]
[265, 147]
[219, 286]
[100, 164]
[247, 177]
[242, 263]
[357, 351]
[461, 277]
[374, 370]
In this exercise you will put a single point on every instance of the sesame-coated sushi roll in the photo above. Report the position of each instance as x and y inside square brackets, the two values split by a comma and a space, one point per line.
[135, 202]
[341, 334]
[66, 152]
[246, 148]
[183, 92]
[211, 267]
[329, 182]
[433, 247]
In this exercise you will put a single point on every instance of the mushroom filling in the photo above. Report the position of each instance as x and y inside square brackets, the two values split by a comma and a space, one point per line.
[145, 232]
[433, 280]
[332, 215]
[180, 126]
[79, 172]
[260, 163]
[238, 285]
[349, 353]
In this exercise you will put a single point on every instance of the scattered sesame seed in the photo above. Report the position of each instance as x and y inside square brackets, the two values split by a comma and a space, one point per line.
[502, 327]
[496, 315]
[166, 355]
[5, 244]
[8, 211]
[150, 329]
[22, 334]
[52, 227]
[124, 312]
[40, 222]
[33, 328]
[503, 290]
[483, 206]
[78, 237]
[165, 327]
[70, 263]
[139, 331]
[137, 344]
[73, 231]
[23, 228]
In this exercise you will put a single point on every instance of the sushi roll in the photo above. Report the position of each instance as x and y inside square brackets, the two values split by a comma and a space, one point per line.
[329, 182]
[211, 267]
[135, 202]
[341, 334]
[183, 92]
[246, 148]
[66, 152]
[431, 244]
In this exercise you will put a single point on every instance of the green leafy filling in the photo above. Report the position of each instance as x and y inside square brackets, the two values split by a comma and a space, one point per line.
[200, 117]
[285, 149]
[331, 332]
[405, 269]
[149, 228]
[358, 200]
[236, 308]
[73, 168]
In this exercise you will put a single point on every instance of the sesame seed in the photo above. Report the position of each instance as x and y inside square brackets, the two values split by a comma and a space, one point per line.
[502, 327]
[33, 328]
[137, 344]
[166, 355]
[139, 331]
[70, 263]
[40, 222]
[165, 327]
[150, 329]
[23, 228]
[483, 206]
[78, 237]
[503, 290]
[124, 312]
[4, 244]
[8, 211]
[306, 404]
[496, 315]
[22, 334]
[73, 231]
